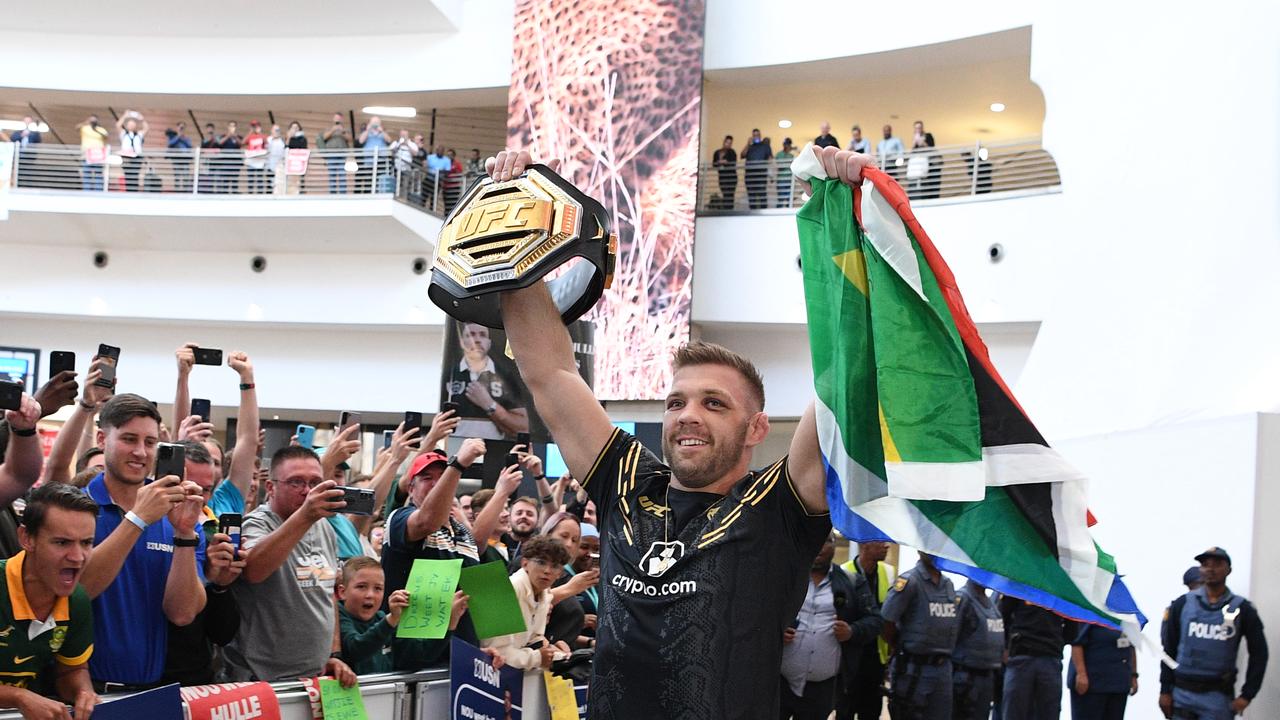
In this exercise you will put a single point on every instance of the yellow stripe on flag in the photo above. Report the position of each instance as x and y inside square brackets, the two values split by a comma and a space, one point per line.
[854, 267]
[890, 450]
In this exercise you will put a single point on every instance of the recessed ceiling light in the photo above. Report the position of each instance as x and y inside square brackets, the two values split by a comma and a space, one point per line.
[390, 111]
[784, 124]
[997, 107]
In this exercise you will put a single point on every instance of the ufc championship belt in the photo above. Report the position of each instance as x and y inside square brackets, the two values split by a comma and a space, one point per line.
[508, 235]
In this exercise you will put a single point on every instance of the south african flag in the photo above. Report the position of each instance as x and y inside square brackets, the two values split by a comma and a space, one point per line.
[923, 442]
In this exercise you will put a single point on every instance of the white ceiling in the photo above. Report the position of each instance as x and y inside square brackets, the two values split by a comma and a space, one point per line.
[241, 18]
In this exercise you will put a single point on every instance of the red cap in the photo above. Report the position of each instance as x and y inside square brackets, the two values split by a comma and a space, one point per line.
[426, 460]
[255, 122]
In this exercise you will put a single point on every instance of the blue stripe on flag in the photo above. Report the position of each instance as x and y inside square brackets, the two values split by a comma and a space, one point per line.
[850, 524]
[1039, 597]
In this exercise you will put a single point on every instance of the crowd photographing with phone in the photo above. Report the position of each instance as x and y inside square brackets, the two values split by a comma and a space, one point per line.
[151, 553]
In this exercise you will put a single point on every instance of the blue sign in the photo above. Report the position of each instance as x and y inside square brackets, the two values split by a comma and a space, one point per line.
[580, 693]
[554, 467]
[477, 691]
[162, 703]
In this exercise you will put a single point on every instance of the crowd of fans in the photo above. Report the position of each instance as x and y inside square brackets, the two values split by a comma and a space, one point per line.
[134, 563]
[231, 161]
[918, 170]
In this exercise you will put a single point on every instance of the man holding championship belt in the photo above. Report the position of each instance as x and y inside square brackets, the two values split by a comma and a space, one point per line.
[704, 562]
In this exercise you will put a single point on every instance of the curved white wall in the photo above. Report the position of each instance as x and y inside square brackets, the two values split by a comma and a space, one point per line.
[750, 33]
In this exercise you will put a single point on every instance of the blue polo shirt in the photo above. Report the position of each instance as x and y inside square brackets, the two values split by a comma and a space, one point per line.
[130, 631]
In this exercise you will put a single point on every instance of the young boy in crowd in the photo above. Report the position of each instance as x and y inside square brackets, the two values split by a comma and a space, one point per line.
[366, 630]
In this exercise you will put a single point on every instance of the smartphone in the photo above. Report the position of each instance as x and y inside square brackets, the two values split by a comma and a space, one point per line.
[445, 407]
[306, 436]
[526, 440]
[10, 395]
[348, 418]
[60, 361]
[386, 437]
[201, 407]
[208, 356]
[171, 459]
[229, 524]
[108, 358]
[512, 459]
[359, 500]
[412, 420]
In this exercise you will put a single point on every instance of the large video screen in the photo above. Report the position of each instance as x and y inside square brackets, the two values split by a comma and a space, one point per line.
[616, 95]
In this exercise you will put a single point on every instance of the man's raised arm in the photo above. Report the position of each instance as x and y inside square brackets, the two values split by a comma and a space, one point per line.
[544, 354]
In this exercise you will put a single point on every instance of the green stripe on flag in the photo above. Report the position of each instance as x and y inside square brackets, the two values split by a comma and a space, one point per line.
[839, 316]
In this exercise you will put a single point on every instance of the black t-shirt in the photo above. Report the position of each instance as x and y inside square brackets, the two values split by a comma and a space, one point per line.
[693, 607]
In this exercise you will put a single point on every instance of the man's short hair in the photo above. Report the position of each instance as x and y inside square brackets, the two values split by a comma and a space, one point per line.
[480, 499]
[59, 495]
[355, 565]
[545, 549]
[858, 128]
[728, 137]
[522, 499]
[704, 353]
[124, 407]
[84, 477]
[85, 458]
[291, 452]
[196, 452]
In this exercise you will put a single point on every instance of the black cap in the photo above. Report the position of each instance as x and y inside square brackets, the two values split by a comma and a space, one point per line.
[1214, 552]
[1192, 575]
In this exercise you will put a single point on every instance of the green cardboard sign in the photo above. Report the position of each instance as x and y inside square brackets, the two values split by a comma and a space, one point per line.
[431, 586]
[492, 600]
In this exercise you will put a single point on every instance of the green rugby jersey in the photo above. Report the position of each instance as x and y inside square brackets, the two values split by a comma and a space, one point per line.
[26, 661]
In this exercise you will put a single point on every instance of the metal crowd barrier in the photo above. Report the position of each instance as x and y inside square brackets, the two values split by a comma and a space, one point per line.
[393, 696]
[937, 173]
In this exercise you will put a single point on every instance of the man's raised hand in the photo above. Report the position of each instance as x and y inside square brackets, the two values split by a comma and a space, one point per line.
[510, 163]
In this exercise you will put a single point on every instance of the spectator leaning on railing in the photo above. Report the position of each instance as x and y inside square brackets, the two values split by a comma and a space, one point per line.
[543, 562]
[49, 636]
[288, 623]
[255, 159]
[335, 138]
[179, 154]
[146, 564]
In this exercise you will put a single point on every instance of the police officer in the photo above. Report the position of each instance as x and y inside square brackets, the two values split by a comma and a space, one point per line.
[1202, 631]
[921, 625]
[1102, 675]
[1033, 674]
[978, 655]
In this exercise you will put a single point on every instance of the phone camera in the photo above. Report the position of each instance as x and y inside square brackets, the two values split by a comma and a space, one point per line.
[258, 263]
[419, 266]
[996, 252]
[100, 259]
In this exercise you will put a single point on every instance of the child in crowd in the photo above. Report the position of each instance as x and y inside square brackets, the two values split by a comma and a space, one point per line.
[367, 631]
[542, 562]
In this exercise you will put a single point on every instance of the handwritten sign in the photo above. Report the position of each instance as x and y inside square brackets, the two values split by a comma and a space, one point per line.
[493, 605]
[431, 586]
[560, 696]
[295, 161]
[341, 703]
[231, 701]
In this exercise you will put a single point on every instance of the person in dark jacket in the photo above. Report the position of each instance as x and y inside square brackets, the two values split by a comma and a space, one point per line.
[1033, 674]
[1103, 674]
[835, 621]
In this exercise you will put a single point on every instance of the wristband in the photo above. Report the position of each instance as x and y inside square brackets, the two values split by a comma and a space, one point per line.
[335, 655]
[247, 386]
[88, 406]
[453, 463]
[132, 517]
[547, 500]
[186, 542]
[22, 433]
[491, 409]
[540, 477]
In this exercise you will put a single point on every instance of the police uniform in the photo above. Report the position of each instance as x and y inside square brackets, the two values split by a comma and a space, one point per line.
[1204, 637]
[1108, 663]
[29, 648]
[927, 623]
[978, 655]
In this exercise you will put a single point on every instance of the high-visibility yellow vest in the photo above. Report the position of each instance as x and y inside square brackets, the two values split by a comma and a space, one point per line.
[885, 575]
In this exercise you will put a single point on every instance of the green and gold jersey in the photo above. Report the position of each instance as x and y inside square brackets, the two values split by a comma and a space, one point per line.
[28, 646]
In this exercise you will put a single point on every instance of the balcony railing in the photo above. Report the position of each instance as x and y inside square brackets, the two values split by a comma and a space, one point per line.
[959, 171]
[211, 172]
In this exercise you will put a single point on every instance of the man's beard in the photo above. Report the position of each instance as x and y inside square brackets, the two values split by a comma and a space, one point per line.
[118, 472]
[699, 474]
[524, 532]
